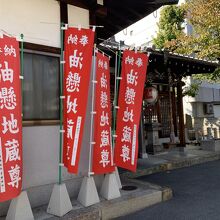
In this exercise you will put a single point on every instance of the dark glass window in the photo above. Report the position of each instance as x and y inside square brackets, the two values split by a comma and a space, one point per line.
[41, 87]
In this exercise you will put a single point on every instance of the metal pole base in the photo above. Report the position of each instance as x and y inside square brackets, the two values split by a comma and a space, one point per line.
[109, 189]
[118, 178]
[20, 208]
[88, 194]
[60, 203]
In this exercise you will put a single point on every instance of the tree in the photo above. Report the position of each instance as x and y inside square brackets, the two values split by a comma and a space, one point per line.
[204, 42]
[170, 25]
[204, 16]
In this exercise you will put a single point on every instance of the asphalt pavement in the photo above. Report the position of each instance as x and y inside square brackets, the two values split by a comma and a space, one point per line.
[196, 194]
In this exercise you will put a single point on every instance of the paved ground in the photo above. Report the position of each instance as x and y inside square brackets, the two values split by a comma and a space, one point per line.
[171, 159]
[196, 194]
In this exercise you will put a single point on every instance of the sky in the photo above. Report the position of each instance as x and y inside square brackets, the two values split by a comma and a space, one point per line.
[142, 31]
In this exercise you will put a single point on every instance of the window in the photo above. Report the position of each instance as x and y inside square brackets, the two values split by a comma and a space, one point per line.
[41, 87]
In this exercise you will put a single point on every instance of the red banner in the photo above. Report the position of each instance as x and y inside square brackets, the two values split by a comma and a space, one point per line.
[102, 151]
[134, 67]
[78, 59]
[10, 120]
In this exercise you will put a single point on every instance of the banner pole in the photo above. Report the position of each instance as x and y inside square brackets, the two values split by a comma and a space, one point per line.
[22, 73]
[22, 63]
[61, 106]
[117, 74]
[114, 102]
[92, 111]
[115, 107]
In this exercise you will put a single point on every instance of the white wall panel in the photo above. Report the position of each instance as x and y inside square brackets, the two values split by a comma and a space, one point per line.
[38, 20]
[78, 16]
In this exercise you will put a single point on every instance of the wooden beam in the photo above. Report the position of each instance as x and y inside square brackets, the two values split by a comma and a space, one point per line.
[63, 12]
[119, 15]
[174, 110]
[78, 3]
[41, 48]
[181, 114]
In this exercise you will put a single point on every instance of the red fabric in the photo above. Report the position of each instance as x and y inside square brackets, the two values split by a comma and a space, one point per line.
[134, 67]
[78, 58]
[10, 120]
[102, 151]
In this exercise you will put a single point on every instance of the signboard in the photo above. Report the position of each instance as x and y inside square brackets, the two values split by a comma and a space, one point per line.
[78, 57]
[10, 120]
[102, 151]
[134, 67]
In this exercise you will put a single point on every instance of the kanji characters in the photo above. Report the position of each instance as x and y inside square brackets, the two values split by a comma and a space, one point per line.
[129, 60]
[125, 153]
[68, 151]
[75, 60]
[104, 81]
[71, 105]
[132, 79]
[12, 150]
[100, 63]
[84, 40]
[70, 128]
[104, 100]
[104, 120]
[105, 65]
[7, 98]
[14, 174]
[8, 51]
[139, 62]
[6, 74]
[104, 158]
[129, 95]
[104, 138]
[126, 135]
[128, 115]
[73, 82]
[10, 125]
[72, 39]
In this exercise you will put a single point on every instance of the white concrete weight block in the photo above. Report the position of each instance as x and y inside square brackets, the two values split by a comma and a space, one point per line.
[88, 194]
[60, 203]
[110, 189]
[20, 208]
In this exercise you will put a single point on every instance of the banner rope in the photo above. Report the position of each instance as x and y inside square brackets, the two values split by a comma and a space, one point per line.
[73, 25]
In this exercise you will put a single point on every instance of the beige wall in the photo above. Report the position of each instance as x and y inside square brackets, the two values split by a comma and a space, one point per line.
[39, 21]
[78, 16]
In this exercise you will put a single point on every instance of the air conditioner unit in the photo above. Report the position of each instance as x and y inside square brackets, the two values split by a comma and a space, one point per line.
[208, 108]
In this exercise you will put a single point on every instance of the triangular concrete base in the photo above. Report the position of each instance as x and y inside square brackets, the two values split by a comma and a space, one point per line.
[60, 203]
[110, 188]
[118, 178]
[20, 208]
[88, 194]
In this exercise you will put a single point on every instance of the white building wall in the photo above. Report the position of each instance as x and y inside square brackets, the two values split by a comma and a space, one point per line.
[39, 21]
[78, 16]
[194, 106]
[217, 111]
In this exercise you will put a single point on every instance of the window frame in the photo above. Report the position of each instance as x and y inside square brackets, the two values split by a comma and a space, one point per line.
[53, 53]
